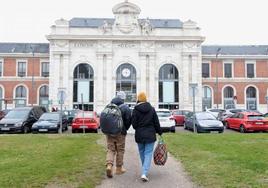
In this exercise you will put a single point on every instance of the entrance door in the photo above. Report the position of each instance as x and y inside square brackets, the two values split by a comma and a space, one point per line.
[83, 87]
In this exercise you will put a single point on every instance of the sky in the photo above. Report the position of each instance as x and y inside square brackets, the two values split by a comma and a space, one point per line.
[222, 22]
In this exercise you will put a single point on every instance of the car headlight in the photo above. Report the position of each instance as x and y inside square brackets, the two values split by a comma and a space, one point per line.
[221, 124]
[54, 125]
[18, 124]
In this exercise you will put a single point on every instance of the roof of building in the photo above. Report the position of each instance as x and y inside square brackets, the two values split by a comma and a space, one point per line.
[97, 22]
[235, 50]
[24, 47]
[206, 49]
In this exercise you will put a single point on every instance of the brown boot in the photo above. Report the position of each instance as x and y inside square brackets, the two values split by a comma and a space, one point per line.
[120, 170]
[109, 170]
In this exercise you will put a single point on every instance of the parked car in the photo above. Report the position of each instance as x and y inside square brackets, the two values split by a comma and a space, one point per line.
[21, 119]
[3, 113]
[87, 120]
[247, 122]
[70, 114]
[228, 113]
[215, 111]
[179, 116]
[203, 122]
[166, 120]
[50, 122]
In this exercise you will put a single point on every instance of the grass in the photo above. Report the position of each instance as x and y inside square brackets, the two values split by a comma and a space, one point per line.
[51, 160]
[222, 160]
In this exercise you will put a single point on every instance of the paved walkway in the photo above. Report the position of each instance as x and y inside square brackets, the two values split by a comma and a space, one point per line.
[169, 176]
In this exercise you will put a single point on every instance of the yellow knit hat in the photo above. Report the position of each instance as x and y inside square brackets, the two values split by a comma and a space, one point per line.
[142, 97]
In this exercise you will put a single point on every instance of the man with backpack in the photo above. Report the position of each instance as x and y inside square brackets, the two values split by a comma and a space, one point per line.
[115, 120]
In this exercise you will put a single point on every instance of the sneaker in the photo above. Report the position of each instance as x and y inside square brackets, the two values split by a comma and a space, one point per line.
[144, 178]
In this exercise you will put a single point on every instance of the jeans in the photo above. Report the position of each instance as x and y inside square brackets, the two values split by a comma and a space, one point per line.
[146, 153]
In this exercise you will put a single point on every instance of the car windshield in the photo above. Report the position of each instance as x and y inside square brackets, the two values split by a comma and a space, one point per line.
[205, 116]
[85, 115]
[163, 113]
[255, 117]
[17, 114]
[50, 117]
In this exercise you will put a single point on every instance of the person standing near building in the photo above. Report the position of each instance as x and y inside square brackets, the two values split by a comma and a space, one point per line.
[116, 144]
[146, 124]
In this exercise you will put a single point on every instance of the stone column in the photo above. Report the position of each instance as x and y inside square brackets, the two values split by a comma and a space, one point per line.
[184, 83]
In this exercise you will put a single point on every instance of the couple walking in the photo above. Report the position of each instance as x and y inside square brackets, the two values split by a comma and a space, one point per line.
[146, 124]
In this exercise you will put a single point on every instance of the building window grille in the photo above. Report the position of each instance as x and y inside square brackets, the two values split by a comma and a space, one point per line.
[21, 69]
[205, 70]
[45, 69]
[250, 70]
[228, 70]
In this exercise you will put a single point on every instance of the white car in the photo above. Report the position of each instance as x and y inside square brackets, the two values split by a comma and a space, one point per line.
[214, 111]
[166, 120]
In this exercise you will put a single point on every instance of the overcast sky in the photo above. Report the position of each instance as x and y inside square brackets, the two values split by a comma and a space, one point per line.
[235, 22]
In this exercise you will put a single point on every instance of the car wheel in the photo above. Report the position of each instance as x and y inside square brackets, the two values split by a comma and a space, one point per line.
[73, 131]
[220, 131]
[227, 125]
[25, 130]
[96, 131]
[184, 126]
[242, 129]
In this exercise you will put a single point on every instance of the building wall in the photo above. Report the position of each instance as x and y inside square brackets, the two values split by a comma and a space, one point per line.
[10, 81]
[239, 82]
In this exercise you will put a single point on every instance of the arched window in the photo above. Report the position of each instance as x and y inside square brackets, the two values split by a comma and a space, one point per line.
[43, 96]
[251, 94]
[83, 87]
[168, 87]
[20, 96]
[228, 95]
[207, 98]
[126, 79]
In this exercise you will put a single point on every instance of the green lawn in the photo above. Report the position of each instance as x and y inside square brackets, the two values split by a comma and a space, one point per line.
[222, 160]
[53, 160]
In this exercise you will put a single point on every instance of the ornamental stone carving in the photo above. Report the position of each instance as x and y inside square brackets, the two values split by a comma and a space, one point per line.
[126, 17]
[146, 27]
[106, 27]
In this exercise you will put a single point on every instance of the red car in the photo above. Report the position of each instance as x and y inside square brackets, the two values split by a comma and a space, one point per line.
[179, 116]
[247, 122]
[87, 120]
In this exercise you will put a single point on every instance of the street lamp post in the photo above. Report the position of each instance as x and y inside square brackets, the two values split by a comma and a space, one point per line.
[32, 48]
[217, 78]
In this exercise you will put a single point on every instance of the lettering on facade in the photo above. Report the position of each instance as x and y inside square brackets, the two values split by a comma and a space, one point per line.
[167, 45]
[83, 44]
[126, 45]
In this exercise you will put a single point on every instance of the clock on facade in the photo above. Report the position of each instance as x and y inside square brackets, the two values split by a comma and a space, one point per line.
[125, 72]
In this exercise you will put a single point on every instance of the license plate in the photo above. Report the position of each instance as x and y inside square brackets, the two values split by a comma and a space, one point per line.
[259, 123]
[83, 127]
[214, 131]
[5, 129]
[42, 130]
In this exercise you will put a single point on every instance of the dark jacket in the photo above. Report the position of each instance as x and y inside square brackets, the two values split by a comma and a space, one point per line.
[126, 113]
[145, 122]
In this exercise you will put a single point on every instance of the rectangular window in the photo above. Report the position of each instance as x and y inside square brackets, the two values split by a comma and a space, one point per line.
[1, 68]
[21, 69]
[250, 70]
[205, 70]
[228, 70]
[45, 69]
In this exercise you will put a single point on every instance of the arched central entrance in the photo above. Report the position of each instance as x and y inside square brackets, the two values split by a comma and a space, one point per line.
[126, 81]
[168, 87]
[83, 87]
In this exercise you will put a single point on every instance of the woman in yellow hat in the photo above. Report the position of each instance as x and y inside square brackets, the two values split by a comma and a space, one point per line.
[146, 124]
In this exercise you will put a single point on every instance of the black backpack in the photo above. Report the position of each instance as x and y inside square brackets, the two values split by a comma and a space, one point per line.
[111, 121]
